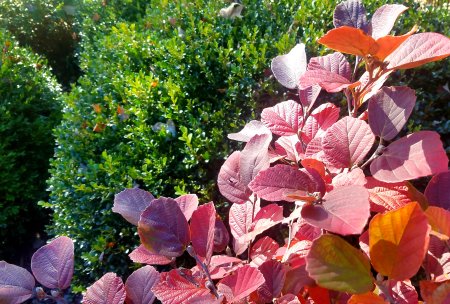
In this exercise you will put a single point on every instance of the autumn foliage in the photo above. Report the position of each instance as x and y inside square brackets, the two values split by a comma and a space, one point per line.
[358, 231]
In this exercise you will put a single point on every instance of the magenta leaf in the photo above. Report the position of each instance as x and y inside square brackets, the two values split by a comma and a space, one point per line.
[354, 177]
[437, 261]
[240, 220]
[52, 264]
[221, 236]
[187, 203]
[266, 218]
[389, 109]
[179, 286]
[163, 228]
[323, 117]
[327, 80]
[309, 96]
[16, 284]
[295, 255]
[274, 276]
[109, 289]
[438, 190]
[276, 183]
[289, 147]
[335, 63]
[254, 127]
[386, 196]
[220, 266]
[254, 158]
[202, 231]
[138, 285]
[229, 180]
[242, 283]
[413, 156]
[144, 256]
[347, 142]
[288, 68]
[419, 49]
[283, 119]
[402, 292]
[262, 250]
[344, 210]
[130, 203]
[384, 18]
[351, 13]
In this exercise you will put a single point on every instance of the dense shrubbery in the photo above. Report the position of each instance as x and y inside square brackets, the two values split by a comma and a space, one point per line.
[30, 107]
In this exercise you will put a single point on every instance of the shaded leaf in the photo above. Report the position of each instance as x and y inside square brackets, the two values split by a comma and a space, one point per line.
[229, 180]
[290, 147]
[240, 220]
[130, 203]
[144, 256]
[262, 250]
[202, 231]
[221, 236]
[188, 203]
[439, 219]
[435, 292]
[336, 265]
[438, 191]
[335, 63]
[242, 283]
[366, 298]
[274, 276]
[16, 284]
[266, 218]
[109, 289]
[351, 13]
[349, 40]
[254, 158]
[398, 241]
[384, 18]
[288, 68]
[402, 292]
[309, 96]
[283, 119]
[138, 285]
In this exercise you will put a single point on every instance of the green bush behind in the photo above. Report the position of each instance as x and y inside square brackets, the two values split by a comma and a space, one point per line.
[30, 109]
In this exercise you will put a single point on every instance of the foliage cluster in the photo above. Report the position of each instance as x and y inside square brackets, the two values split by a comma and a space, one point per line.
[30, 105]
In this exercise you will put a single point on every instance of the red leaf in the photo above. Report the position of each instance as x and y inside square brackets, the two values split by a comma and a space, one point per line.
[290, 147]
[413, 156]
[229, 180]
[274, 276]
[283, 119]
[435, 292]
[254, 158]
[109, 289]
[144, 256]
[240, 220]
[220, 266]
[387, 44]
[384, 19]
[323, 117]
[288, 68]
[309, 96]
[402, 292]
[438, 191]
[349, 40]
[242, 283]
[437, 261]
[387, 196]
[16, 284]
[351, 13]
[163, 228]
[221, 236]
[335, 63]
[138, 285]
[266, 218]
[327, 80]
[344, 210]
[188, 203]
[347, 142]
[419, 49]
[130, 203]
[177, 287]
[262, 250]
[52, 264]
[389, 109]
[275, 183]
[439, 220]
[202, 231]
[296, 279]
[254, 127]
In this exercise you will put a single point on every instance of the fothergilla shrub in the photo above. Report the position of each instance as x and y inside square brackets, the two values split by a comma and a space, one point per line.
[357, 230]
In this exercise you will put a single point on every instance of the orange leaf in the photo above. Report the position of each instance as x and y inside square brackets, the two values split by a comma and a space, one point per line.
[99, 127]
[97, 108]
[366, 298]
[398, 241]
[349, 40]
[388, 44]
[439, 220]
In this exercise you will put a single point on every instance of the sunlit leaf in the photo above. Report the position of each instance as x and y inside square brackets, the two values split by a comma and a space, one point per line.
[284, 119]
[439, 219]
[321, 118]
[16, 284]
[202, 231]
[335, 63]
[188, 203]
[329, 81]
[366, 298]
[240, 220]
[109, 289]
[254, 127]
[144, 256]
[402, 292]
[229, 181]
[384, 19]
[254, 158]
[387, 196]
[349, 40]
[242, 283]
[288, 68]
[130, 203]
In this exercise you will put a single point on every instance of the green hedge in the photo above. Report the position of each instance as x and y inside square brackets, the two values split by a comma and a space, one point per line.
[30, 109]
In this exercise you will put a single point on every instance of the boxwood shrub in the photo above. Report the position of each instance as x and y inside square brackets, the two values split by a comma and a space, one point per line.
[30, 108]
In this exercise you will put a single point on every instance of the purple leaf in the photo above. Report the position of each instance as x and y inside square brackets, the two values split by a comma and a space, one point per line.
[16, 284]
[229, 180]
[163, 228]
[274, 277]
[108, 290]
[413, 156]
[384, 18]
[130, 203]
[221, 236]
[240, 220]
[419, 49]
[144, 256]
[351, 13]
[266, 218]
[276, 183]
[288, 68]
[402, 292]
[347, 142]
[242, 283]
[187, 203]
[323, 117]
[308, 96]
[438, 190]
[52, 264]
[254, 158]
[254, 127]
[389, 109]
[327, 80]
[138, 285]
[335, 63]
[344, 210]
[283, 119]
[202, 231]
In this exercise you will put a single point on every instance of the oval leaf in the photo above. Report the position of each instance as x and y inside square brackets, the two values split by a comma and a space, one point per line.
[188, 203]
[254, 158]
[144, 256]
[240, 220]
[288, 68]
[283, 119]
[398, 241]
[242, 283]
[438, 191]
[16, 284]
[384, 18]
[413, 156]
[336, 265]
[202, 230]
[266, 218]
[349, 40]
[335, 63]
[229, 180]
[351, 13]
[130, 203]
[163, 228]
[387, 196]
[108, 290]
[327, 80]
[52, 264]
[323, 117]
[221, 236]
[138, 285]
